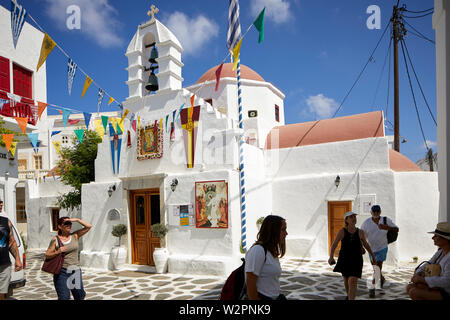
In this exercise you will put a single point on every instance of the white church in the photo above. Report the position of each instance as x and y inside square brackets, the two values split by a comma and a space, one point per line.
[186, 174]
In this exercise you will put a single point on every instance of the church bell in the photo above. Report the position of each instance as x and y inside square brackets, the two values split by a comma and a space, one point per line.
[152, 84]
[153, 56]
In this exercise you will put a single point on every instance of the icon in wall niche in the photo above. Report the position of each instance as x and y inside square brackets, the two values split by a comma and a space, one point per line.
[150, 142]
[211, 204]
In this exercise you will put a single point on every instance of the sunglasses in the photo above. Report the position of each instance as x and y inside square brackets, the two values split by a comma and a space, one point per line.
[67, 223]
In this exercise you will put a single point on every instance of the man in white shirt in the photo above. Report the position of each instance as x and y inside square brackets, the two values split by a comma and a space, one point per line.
[376, 233]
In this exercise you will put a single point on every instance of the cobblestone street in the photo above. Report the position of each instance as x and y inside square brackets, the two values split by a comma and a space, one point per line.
[301, 280]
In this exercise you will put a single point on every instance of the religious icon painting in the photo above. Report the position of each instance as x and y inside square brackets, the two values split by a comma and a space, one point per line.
[211, 204]
[150, 142]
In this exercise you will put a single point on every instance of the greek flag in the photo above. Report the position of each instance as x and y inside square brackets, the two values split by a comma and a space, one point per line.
[100, 99]
[71, 69]
[234, 26]
[18, 15]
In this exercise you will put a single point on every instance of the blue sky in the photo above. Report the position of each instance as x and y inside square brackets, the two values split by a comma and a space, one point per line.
[313, 52]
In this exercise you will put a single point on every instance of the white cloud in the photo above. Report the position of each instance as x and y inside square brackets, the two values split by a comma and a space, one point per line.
[431, 144]
[321, 106]
[98, 19]
[192, 33]
[276, 10]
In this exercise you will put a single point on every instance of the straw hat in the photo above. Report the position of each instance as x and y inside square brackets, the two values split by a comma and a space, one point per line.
[442, 230]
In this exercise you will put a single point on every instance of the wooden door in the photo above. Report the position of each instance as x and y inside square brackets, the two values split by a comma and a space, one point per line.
[336, 212]
[145, 211]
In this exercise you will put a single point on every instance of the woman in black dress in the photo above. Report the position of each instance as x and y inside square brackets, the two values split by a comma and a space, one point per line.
[350, 261]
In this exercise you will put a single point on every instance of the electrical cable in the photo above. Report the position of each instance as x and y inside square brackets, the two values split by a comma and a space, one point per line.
[414, 98]
[419, 11]
[418, 82]
[364, 68]
[420, 34]
[381, 74]
[424, 15]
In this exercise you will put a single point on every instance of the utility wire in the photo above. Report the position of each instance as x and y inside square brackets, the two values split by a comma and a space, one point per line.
[420, 34]
[381, 74]
[424, 15]
[389, 83]
[364, 68]
[414, 98]
[419, 11]
[418, 82]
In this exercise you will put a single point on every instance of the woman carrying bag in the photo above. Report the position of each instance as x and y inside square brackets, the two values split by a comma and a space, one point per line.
[262, 265]
[66, 244]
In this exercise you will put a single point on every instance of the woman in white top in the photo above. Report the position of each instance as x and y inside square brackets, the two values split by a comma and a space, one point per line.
[262, 265]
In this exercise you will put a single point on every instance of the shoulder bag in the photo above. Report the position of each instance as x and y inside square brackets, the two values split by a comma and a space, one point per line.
[430, 269]
[54, 264]
[391, 234]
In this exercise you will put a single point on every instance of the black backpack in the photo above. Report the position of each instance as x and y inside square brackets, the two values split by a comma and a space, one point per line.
[234, 287]
[391, 234]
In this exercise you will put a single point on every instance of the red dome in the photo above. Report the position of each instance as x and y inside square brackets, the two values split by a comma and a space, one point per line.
[227, 72]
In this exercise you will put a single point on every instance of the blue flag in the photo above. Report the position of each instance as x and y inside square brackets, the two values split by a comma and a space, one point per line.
[18, 16]
[87, 119]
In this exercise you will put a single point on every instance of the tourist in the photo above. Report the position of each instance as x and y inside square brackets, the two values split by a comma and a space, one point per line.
[434, 287]
[350, 261]
[262, 264]
[7, 245]
[69, 280]
[376, 232]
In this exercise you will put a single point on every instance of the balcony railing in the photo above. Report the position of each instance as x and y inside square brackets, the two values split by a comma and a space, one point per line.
[32, 174]
[22, 110]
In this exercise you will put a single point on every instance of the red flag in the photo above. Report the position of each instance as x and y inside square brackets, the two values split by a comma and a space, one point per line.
[218, 72]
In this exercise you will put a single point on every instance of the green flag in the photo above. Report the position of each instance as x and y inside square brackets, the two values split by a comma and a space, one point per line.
[80, 134]
[259, 25]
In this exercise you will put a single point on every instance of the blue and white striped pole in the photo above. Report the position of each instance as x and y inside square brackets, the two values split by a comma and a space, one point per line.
[241, 164]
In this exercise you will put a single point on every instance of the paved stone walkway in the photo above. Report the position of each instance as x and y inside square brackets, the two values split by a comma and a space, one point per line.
[300, 280]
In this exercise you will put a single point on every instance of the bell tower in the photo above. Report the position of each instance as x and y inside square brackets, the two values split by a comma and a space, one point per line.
[154, 59]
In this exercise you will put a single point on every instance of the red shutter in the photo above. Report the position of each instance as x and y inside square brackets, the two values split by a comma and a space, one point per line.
[23, 86]
[4, 76]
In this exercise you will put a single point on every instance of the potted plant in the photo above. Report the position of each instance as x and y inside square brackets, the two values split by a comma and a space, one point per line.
[415, 259]
[160, 255]
[118, 253]
[259, 222]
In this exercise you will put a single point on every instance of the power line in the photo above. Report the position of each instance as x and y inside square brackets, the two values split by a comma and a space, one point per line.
[414, 98]
[364, 68]
[419, 11]
[424, 15]
[419, 33]
[418, 82]
[381, 74]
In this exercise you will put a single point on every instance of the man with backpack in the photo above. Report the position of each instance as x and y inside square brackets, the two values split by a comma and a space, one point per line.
[379, 231]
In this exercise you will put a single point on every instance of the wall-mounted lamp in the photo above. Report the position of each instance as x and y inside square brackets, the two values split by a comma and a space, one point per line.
[337, 181]
[111, 189]
[174, 184]
[6, 175]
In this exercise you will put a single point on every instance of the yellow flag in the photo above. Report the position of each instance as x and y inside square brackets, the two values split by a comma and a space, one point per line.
[13, 148]
[111, 100]
[57, 145]
[139, 122]
[47, 46]
[161, 124]
[87, 83]
[99, 127]
[236, 52]
[124, 115]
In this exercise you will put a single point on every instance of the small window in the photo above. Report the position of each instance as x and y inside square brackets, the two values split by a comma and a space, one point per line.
[277, 113]
[65, 139]
[37, 162]
[22, 164]
[21, 215]
[55, 217]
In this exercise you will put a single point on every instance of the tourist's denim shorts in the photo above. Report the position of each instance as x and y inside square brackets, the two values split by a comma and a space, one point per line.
[380, 255]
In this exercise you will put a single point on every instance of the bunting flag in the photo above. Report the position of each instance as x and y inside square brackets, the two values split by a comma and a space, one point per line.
[113, 122]
[115, 146]
[179, 111]
[236, 52]
[139, 123]
[14, 97]
[13, 148]
[73, 121]
[86, 85]
[47, 46]
[167, 118]
[161, 124]
[124, 115]
[71, 69]
[191, 109]
[57, 145]
[111, 100]
[33, 138]
[8, 139]
[100, 99]
[128, 139]
[190, 127]
[80, 134]
[41, 108]
[133, 125]
[259, 25]
[234, 26]
[218, 72]
[22, 123]
[55, 132]
[87, 119]
[36, 149]
[172, 131]
[99, 128]
[3, 102]
[65, 113]
[18, 16]
[104, 122]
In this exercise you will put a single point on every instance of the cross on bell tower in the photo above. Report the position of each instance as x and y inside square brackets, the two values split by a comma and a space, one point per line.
[153, 11]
